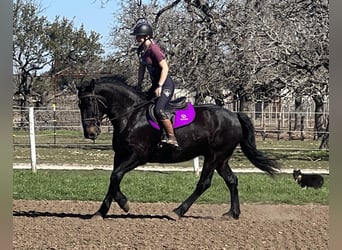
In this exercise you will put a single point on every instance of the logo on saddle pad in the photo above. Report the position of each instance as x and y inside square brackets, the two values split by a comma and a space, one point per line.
[180, 117]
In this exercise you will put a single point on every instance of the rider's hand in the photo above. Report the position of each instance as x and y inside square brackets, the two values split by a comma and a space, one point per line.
[158, 91]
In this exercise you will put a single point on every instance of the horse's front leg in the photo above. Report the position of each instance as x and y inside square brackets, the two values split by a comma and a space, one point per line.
[114, 191]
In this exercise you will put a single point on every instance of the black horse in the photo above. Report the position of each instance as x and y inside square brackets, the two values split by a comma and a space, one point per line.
[214, 134]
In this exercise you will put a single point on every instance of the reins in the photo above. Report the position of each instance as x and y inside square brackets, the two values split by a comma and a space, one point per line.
[134, 108]
[98, 98]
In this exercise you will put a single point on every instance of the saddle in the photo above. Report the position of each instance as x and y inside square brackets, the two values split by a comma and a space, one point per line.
[182, 113]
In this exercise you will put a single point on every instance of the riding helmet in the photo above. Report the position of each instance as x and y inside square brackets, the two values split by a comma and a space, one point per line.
[142, 29]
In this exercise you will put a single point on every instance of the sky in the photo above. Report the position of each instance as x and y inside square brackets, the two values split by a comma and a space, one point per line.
[86, 12]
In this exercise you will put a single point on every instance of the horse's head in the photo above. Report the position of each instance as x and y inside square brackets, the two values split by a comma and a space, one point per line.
[92, 109]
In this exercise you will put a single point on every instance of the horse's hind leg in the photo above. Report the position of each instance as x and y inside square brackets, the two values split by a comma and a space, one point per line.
[232, 182]
[202, 185]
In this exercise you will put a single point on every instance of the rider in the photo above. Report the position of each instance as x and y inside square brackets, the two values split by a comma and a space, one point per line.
[152, 57]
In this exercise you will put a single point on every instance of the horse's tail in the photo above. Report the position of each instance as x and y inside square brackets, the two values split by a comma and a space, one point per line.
[249, 148]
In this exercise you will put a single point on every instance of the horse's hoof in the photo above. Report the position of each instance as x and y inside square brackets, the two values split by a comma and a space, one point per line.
[230, 214]
[96, 217]
[125, 207]
[174, 215]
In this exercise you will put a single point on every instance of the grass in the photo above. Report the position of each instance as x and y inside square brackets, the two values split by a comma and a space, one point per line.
[161, 187]
[58, 137]
[158, 187]
[84, 151]
[292, 159]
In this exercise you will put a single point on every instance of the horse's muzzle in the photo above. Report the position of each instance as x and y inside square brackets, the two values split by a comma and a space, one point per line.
[92, 132]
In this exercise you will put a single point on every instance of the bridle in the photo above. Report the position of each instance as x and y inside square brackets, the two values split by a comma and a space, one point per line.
[96, 99]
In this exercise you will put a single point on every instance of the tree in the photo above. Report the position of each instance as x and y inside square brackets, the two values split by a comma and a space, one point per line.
[72, 51]
[256, 49]
[29, 52]
[56, 47]
[304, 51]
[70, 48]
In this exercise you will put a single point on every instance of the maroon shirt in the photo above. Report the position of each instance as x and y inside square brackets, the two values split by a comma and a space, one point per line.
[151, 58]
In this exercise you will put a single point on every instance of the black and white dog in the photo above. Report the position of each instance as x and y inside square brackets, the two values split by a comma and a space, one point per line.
[308, 180]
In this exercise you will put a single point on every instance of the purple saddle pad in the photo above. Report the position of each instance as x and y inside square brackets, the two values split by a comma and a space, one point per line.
[181, 118]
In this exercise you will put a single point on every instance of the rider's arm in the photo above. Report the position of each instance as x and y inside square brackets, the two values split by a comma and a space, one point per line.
[164, 71]
[141, 73]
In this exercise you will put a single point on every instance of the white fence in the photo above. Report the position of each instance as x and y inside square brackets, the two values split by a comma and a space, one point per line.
[267, 121]
[52, 120]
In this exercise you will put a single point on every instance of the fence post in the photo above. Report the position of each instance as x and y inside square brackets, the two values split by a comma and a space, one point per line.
[196, 165]
[32, 140]
[54, 123]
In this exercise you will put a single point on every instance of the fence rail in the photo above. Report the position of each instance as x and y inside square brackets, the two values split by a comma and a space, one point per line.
[50, 121]
[29, 131]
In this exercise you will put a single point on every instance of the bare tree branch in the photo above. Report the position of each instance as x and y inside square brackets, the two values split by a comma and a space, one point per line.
[166, 8]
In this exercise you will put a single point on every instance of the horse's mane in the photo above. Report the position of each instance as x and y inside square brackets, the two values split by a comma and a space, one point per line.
[119, 80]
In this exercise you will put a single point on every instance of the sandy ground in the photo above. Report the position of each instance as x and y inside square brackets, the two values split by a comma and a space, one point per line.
[66, 225]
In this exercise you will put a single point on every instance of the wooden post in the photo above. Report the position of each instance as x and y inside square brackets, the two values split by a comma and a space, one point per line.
[278, 130]
[32, 140]
[54, 123]
[196, 165]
